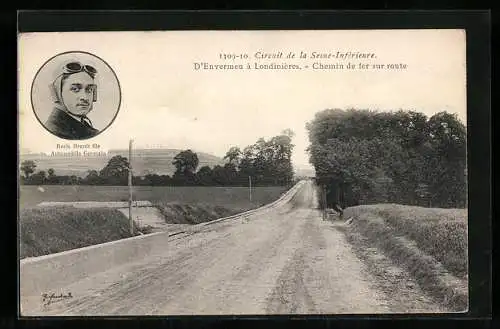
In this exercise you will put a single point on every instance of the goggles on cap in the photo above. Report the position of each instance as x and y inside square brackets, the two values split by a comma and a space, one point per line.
[75, 67]
[71, 68]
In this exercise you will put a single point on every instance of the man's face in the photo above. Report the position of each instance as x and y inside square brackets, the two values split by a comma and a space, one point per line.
[77, 93]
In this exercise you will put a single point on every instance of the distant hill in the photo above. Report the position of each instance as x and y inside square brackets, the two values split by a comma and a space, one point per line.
[144, 161]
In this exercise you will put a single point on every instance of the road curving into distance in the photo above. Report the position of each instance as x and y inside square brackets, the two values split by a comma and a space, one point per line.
[284, 260]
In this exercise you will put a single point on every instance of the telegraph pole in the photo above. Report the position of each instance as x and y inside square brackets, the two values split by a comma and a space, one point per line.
[131, 220]
[324, 201]
[250, 187]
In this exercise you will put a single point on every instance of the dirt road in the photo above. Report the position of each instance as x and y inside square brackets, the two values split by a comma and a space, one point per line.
[287, 261]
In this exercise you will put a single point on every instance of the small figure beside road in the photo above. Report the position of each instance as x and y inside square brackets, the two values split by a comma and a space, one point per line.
[339, 209]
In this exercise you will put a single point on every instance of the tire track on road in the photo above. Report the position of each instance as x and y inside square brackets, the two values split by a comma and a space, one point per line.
[291, 295]
[240, 283]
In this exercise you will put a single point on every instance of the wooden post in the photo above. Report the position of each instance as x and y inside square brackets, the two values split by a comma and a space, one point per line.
[250, 187]
[324, 202]
[131, 220]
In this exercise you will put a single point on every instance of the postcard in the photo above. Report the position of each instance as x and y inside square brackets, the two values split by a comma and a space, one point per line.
[242, 172]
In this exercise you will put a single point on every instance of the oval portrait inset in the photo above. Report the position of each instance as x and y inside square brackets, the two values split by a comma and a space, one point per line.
[76, 95]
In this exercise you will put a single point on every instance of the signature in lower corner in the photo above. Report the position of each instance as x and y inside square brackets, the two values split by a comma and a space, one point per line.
[50, 298]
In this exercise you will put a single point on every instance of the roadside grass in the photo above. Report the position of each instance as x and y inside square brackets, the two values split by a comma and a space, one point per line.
[50, 230]
[412, 247]
[402, 289]
[441, 233]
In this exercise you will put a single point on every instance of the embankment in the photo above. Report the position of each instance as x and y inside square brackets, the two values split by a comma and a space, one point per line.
[431, 244]
[177, 213]
[47, 230]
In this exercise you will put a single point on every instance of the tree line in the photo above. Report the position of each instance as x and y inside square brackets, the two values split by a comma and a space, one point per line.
[363, 156]
[267, 162]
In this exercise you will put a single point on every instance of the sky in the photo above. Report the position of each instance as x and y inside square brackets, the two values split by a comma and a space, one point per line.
[166, 103]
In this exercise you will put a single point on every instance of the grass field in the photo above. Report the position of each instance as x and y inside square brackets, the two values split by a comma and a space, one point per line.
[430, 243]
[228, 197]
[45, 231]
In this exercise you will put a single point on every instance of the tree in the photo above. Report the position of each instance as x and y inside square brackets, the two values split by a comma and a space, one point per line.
[233, 155]
[449, 158]
[51, 178]
[92, 178]
[28, 167]
[282, 157]
[219, 176]
[116, 171]
[288, 132]
[74, 180]
[154, 179]
[390, 156]
[205, 176]
[230, 173]
[186, 162]
[246, 166]
[39, 178]
[268, 162]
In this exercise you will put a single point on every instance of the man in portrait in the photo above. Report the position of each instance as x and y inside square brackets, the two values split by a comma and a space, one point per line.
[74, 93]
